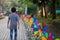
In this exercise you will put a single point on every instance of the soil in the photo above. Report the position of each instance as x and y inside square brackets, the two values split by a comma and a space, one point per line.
[54, 27]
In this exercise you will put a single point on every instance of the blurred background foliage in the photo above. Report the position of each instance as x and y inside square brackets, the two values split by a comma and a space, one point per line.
[32, 7]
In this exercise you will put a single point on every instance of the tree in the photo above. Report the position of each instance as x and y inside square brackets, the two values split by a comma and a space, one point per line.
[37, 7]
[39, 3]
[1, 4]
[25, 4]
[43, 8]
[53, 8]
[14, 3]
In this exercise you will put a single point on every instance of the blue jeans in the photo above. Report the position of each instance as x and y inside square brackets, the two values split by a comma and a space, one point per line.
[11, 34]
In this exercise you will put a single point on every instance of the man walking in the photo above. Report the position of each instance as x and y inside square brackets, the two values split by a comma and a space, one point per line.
[13, 19]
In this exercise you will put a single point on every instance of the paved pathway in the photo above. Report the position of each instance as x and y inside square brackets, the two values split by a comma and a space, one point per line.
[4, 32]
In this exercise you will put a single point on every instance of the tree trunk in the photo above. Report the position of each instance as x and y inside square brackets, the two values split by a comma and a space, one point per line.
[53, 9]
[25, 9]
[0, 8]
[44, 10]
[37, 8]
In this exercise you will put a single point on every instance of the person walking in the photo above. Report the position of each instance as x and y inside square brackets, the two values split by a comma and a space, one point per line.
[13, 19]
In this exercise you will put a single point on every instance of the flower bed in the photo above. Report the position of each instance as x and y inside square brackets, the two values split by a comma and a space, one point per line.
[37, 30]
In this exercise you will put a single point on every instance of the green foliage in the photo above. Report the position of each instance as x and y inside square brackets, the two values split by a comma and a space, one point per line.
[35, 1]
[14, 3]
[21, 9]
[25, 2]
[57, 3]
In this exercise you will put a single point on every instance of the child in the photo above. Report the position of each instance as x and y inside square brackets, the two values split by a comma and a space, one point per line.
[13, 19]
[20, 14]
